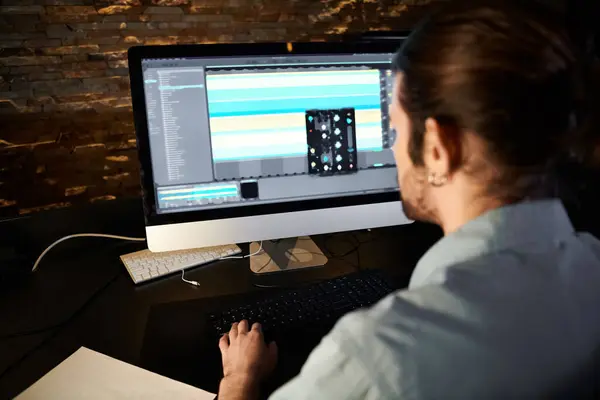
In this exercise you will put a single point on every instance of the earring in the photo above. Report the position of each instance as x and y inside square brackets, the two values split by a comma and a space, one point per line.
[436, 180]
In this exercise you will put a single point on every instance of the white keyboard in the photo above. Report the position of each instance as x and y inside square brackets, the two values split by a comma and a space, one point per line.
[145, 265]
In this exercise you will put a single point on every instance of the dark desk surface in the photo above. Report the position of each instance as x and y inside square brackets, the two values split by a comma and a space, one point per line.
[82, 296]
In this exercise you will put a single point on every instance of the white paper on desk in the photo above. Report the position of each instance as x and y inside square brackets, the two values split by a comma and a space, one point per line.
[88, 375]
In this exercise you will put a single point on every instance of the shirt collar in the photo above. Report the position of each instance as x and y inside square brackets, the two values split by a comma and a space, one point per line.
[499, 229]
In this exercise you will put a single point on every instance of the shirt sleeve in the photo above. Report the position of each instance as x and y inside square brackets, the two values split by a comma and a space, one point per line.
[332, 371]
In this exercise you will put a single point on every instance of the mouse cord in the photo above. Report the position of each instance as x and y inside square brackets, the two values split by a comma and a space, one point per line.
[193, 283]
[196, 283]
[100, 235]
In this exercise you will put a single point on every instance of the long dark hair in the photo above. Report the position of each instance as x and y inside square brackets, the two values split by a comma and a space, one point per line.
[508, 72]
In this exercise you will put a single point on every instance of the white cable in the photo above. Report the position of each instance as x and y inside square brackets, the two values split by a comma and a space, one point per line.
[101, 235]
[246, 256]
[194, 283]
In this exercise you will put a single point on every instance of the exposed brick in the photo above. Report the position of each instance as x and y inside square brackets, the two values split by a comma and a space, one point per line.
[100, 26]
[9, 95]
[141, 25]
[18, 61]
[17, 51]
[115, 18]
[71, 10]
[46, 76]
[84, 66]
[119, 47]
[131, 40]
[176, 25]
[112, 10]
[74, 58]
[218, 25]
[18, 2]
[6, 44]
[126, 2]
[141, 17]
[166, 17]
[155, 32]
[27, 70]
[116, 177]
[75, 191]
[103, 40]
[84, 74]
[118, 159]
[207, 18]
[118, 72]
[189, 39]
[66, 50]
[21, 35]
[25, 211]
[83, 97]
[42, 43]
[60, 31]
[109, 56]
[25, 23]
[108, 84]
[68, 2]
[163, 10]
[48, 86]
[161, 41]
[21, 10]
[118, 64]
[171, 2]
[108, 197]
[71, 18]
[102, 34]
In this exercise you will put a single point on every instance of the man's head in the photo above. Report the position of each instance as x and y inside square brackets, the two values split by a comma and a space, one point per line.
[483, 104]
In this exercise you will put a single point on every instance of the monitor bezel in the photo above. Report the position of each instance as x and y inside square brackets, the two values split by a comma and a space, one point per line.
[135, 56]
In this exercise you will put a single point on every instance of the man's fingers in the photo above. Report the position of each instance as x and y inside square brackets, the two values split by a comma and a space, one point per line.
[224, 343]
[234, 331]
[256, 327]
[243, 327]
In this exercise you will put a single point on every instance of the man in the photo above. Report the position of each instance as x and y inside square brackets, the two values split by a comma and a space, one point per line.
[487, 98]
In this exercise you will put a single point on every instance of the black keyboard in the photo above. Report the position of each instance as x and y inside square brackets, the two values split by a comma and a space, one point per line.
[321, 303]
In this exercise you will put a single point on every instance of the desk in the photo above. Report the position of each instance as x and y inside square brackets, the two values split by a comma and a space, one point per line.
[85, 286]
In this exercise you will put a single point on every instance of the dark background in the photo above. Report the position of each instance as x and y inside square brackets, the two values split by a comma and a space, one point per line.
[66, 128]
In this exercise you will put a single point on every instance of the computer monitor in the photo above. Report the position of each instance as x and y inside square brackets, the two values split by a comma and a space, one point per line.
[242, 143]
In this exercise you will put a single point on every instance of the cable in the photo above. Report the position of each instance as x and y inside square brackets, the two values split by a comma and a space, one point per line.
[57, 328]
[101, 235]
[246, 256]
[196, 283]
[193, 283]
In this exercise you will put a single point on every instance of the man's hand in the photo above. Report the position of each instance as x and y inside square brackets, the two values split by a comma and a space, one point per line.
[246, 361]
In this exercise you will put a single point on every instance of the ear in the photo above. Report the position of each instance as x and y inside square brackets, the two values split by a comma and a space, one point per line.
[438, 152]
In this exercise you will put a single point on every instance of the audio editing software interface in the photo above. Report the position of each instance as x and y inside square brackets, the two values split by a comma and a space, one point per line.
[257, 130]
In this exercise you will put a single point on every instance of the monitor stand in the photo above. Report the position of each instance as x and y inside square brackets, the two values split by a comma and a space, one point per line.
[286, 255]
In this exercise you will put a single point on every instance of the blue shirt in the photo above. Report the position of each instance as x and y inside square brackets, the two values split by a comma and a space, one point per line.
[505, 307]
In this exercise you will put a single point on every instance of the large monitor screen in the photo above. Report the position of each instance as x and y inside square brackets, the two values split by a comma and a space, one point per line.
[240, 131]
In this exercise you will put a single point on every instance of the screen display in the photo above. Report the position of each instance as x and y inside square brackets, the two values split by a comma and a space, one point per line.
[240, 131]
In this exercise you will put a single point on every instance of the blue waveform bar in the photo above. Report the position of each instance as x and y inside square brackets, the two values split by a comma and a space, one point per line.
[161, 88]
[191, 196]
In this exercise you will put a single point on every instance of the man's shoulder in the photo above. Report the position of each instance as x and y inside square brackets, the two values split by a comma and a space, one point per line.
[402, 339]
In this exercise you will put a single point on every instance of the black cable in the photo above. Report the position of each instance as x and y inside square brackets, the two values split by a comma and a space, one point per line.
[57, 328]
